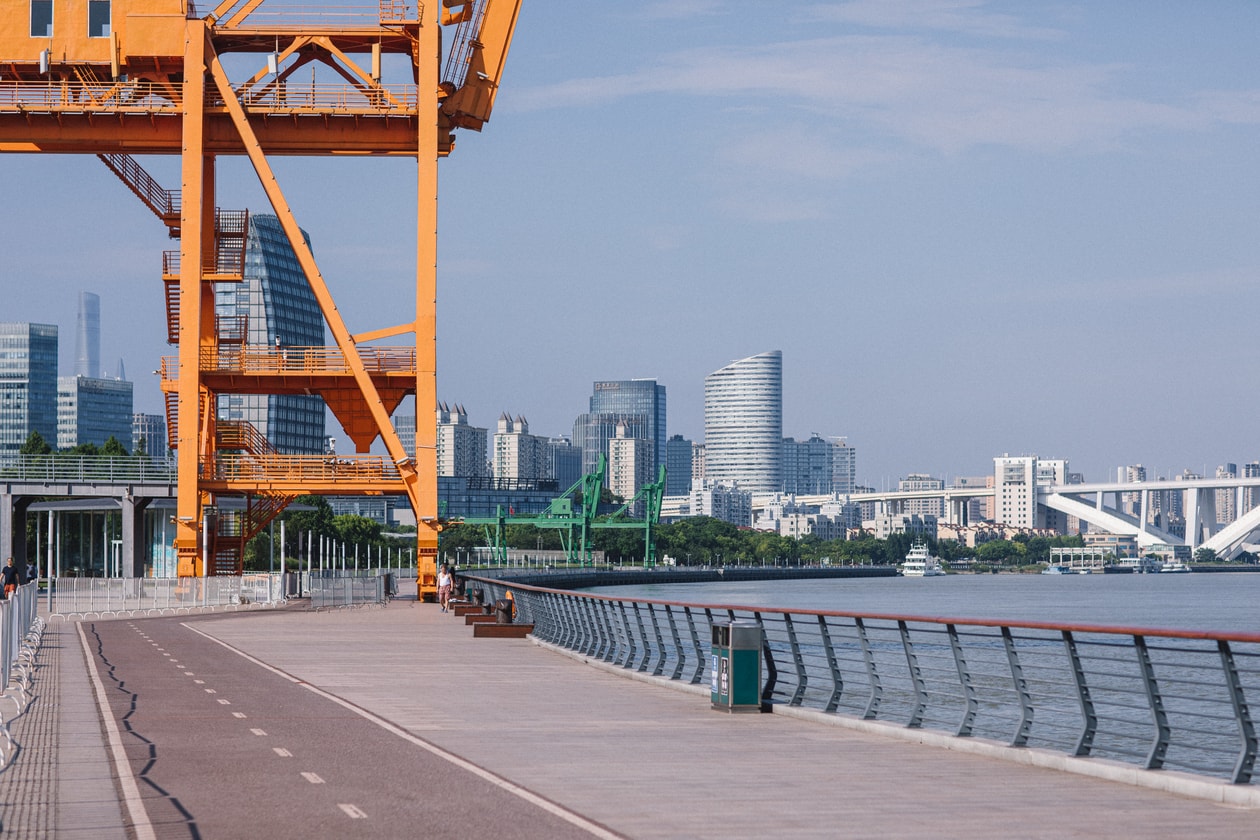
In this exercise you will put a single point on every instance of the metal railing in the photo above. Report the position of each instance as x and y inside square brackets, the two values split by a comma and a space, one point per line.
[61, 96]
[1156, 698]
[85, 469]
[323, 98]
[330, 589]
[296, 469]
[82, 597]
[21, 632]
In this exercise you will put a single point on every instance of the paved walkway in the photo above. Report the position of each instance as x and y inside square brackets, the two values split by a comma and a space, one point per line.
[634, 759]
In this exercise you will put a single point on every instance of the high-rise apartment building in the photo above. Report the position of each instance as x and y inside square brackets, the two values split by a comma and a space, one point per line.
[1015, 483]
[274, 306]
[1226, 497]
[677, 466]
[592, 432]
[743, 423]
[91, 410]
[518, 455]
[808, 466]
[918, 482]
[461, 447]
[28, 384]
[843, 468]
[1131, 503]
[630, 465]
[148, 436]
[87, 338]
[697, 465]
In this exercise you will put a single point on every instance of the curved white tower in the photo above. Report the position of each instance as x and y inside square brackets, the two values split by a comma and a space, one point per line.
[743, 423]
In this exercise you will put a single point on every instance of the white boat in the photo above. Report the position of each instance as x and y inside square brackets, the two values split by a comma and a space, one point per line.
[1054, 569]
[1173, 567]
[920, 563]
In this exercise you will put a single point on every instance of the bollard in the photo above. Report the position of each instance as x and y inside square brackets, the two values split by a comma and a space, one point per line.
[503, 611]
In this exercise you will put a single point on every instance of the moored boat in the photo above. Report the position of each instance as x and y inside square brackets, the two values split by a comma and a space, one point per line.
[920, 562]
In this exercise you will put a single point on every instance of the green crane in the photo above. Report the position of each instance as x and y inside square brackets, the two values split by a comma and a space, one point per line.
[651, 494]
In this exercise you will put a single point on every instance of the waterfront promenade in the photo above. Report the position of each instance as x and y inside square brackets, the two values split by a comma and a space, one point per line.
[413, 728]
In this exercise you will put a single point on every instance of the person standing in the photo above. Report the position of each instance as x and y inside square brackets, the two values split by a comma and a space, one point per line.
[444, 582]
[10, 578]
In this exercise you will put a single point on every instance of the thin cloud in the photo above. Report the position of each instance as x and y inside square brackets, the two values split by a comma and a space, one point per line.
[933, 95]
[967, 17]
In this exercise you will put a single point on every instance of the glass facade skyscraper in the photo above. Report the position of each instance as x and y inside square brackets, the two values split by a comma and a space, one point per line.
[91, 410]
[278, 309]
[28, 384]
[743, 423]
[624, 399]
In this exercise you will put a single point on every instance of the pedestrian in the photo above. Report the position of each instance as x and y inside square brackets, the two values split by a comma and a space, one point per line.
[10, 577]
[444, 581]
[32, 573]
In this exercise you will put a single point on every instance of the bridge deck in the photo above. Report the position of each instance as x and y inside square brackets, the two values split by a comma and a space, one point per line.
[641, 760]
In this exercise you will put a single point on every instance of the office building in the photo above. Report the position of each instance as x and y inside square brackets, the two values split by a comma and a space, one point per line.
[1226, 497]
[148, 436]
[722, 501]
[623, 398]
[566, 462]
[697, 465]
[1015, 483]
[28, 384]
[87, 338]
[92, 411]
[461, 447]
[404, 421]
[743, 423]
[677, 466]
[274, 306]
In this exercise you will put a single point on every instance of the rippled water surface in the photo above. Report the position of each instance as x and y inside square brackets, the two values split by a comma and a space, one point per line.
[1198, 601]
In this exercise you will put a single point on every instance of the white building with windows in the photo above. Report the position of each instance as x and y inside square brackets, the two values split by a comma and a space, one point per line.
[743, 423]
[517, 453]
[461, 447]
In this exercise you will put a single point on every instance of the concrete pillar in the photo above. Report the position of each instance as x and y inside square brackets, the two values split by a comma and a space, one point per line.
[13, 527]
[133, 535]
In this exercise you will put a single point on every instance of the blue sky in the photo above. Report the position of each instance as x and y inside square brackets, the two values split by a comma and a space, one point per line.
[972, 228]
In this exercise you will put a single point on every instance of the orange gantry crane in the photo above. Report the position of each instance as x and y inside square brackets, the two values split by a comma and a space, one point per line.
[119, 78]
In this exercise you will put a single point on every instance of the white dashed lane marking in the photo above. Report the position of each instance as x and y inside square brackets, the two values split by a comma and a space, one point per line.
[223, 702]
[258, 732]
[354, 812]
[282, 752]
[313, 778]
[238, 714]
[211, 691]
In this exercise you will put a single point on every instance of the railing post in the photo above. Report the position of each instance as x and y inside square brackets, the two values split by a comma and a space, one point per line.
[608, 641]
[1163, 733]
[702, 656]
[837, 680]
[868, 656]
[1021, 690]
[1246, 727]
[660, 643]
[629, 636]
[678, 646]
[916, 677]
[772, 670]
[1089, 717]
[968, 721]
[647, 651]
[798, 660]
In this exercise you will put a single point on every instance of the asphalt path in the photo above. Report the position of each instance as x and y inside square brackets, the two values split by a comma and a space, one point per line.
[222, 746]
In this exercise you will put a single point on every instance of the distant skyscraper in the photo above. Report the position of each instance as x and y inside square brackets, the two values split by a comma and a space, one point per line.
[566, 462]
[743, 423]
[93, 410]
[623, 398]
[87, 338]
[148, 436]
[592, 432]
[1226, 498]
[274, 305]
[28, 384]
[843, 468]
[518, 455]
[630, 464]
[922, 507]
[677, 466]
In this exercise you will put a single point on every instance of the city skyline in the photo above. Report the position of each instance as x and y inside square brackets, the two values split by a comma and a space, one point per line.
[970, 230]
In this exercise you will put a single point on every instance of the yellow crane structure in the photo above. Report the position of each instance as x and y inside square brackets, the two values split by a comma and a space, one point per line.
[119, 78]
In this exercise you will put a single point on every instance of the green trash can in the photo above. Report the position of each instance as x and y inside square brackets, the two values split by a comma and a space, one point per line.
[737, 666]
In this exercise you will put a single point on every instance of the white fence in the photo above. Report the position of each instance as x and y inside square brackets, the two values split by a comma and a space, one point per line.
[81, 597]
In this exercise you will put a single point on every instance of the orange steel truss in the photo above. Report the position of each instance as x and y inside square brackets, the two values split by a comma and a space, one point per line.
[118, 78]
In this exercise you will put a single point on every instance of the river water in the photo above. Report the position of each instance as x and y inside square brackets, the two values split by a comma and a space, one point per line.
[1228, 602]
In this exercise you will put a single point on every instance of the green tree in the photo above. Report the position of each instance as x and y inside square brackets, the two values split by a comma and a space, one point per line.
[1205, 555]
[89, 449]
[113, 448]
[35, 445]
[353, 529]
